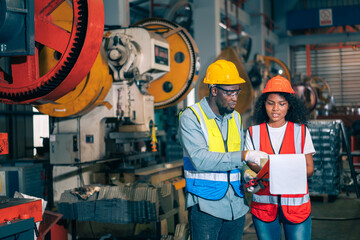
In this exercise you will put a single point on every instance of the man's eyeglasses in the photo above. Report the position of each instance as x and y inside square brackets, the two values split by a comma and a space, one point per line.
[229, 93]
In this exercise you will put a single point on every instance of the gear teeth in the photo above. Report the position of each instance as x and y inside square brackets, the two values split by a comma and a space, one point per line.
[55, 80]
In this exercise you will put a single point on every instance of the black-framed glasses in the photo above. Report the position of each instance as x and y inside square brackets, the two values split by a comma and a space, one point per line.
[229, 93]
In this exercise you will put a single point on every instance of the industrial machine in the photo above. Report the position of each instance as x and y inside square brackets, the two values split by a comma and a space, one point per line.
[153, 64]
[91, 93]
[99, 86]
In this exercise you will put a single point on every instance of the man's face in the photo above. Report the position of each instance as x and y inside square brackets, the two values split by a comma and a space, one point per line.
[226, 97]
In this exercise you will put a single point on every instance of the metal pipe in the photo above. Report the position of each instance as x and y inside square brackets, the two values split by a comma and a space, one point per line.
[25, 113]
[227, 24]
[151, 8]
[341, 77]
[308, 60]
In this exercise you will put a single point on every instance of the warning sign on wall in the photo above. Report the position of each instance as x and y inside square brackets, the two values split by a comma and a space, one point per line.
[325, 17]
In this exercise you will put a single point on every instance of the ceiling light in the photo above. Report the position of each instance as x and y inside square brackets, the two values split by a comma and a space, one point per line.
[222, 25]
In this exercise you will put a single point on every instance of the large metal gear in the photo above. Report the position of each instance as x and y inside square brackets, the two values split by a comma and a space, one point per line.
[90, 92]
[75, 50]
[184, 63]
[87, 95]
[322, 89]
[272, 63]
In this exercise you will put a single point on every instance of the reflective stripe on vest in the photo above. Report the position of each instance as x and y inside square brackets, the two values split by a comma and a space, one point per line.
[235, 176]
[213, 185]
[256, 137]
[296, 208]
[237, 119]
[265, 199]
[297, 138]
[219, 176]
[270, 199]
[197, 111]
[295, 201]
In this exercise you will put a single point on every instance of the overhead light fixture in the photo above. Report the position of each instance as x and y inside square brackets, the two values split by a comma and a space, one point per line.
[221, 24]
[244, 34]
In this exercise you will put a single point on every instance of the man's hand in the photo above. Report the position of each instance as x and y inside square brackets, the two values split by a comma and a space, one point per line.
[248, 176]
[254, 156]
[254, 189]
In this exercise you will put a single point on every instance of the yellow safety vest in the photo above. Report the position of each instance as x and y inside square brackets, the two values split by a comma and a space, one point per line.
[212, 185]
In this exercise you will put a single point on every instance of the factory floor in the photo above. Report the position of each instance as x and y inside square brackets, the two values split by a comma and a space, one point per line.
[332, 219]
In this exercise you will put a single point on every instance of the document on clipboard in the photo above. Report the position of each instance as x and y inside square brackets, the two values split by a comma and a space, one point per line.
[287, 174]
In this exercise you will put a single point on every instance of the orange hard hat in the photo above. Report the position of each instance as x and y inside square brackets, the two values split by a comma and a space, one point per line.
[278, 84]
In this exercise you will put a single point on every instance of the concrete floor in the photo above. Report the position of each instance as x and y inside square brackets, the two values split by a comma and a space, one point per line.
[336, 219]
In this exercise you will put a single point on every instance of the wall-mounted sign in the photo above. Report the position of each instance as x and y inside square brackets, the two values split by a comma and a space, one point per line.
[325, 17]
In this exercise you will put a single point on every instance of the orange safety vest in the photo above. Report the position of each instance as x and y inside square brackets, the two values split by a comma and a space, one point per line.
[296, 207]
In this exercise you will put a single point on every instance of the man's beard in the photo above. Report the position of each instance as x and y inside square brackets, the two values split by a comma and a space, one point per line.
[227, 111]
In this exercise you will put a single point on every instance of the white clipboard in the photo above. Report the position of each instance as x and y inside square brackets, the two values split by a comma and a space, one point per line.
[287, 174]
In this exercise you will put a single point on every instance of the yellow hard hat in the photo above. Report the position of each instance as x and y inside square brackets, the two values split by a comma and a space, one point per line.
[222, 72]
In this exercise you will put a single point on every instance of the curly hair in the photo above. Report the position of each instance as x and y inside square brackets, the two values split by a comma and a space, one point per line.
[297, 111]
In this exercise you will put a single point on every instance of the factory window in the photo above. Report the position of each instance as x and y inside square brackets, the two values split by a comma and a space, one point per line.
[41, 130]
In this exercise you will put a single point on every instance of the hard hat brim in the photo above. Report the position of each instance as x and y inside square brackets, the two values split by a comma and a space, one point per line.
[233, 82]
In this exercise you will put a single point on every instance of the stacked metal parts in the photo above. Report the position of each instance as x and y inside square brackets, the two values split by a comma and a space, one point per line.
[327, 142]
[122, 204]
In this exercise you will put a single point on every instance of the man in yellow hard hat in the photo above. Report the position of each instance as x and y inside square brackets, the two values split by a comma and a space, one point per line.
[211, 134]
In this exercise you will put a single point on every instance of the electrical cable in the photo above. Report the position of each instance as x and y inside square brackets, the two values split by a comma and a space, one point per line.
[82, 183]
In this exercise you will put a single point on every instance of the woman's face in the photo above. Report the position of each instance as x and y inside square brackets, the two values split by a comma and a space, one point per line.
[276, 108]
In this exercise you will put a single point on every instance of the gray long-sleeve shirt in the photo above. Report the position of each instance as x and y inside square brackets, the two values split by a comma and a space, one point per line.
[193, 141]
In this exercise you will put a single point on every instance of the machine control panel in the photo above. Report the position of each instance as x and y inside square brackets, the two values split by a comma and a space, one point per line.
[64, 148]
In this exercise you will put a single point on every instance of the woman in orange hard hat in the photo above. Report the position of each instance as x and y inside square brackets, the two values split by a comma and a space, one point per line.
[281, 129]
